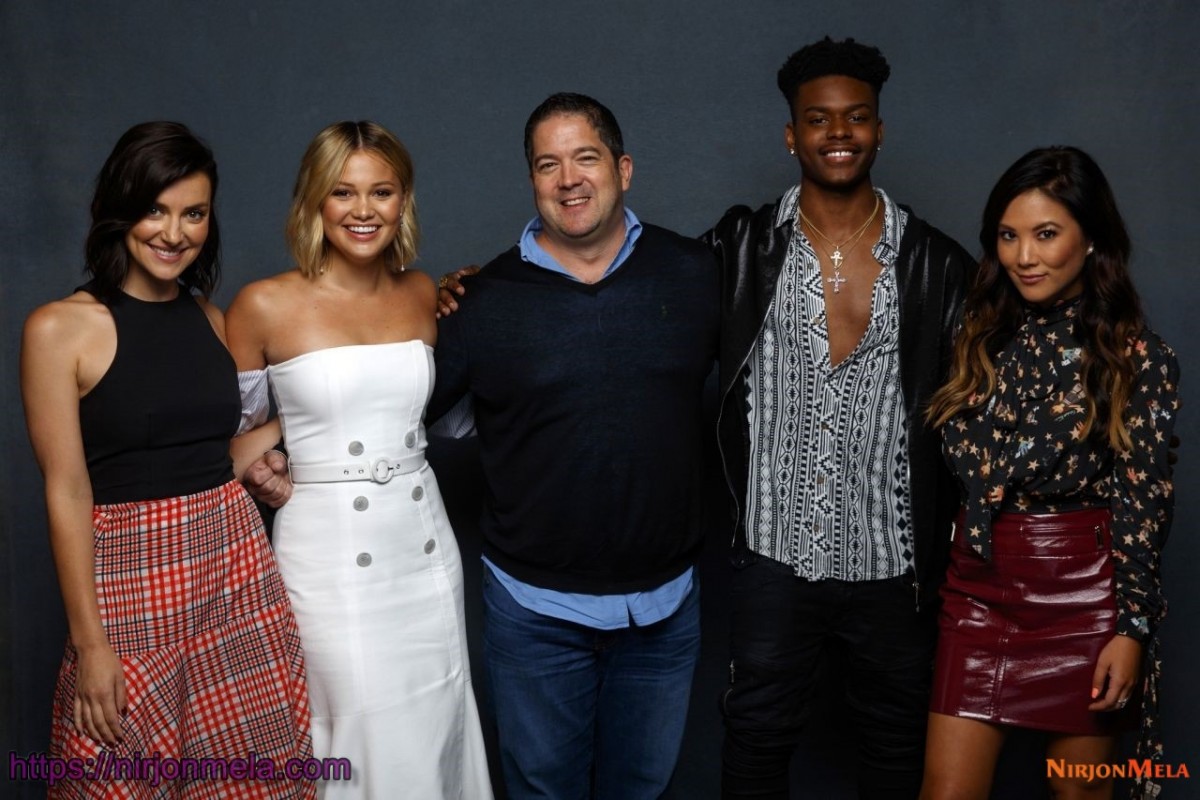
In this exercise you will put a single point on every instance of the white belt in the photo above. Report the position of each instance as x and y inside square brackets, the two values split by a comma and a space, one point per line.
[379, 470]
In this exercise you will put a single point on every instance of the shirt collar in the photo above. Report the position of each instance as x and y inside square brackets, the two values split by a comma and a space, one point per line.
[533, 252]
[894, 220]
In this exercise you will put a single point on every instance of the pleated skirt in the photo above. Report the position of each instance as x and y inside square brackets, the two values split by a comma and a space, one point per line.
[195, 609]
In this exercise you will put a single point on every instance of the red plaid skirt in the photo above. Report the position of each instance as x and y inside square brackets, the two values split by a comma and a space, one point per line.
[193, 605]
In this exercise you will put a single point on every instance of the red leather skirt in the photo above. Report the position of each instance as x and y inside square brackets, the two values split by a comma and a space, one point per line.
[1020, 634]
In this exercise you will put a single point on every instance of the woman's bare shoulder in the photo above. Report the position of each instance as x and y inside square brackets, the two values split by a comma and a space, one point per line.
[421, 286]
[268, 294]
[77, 317]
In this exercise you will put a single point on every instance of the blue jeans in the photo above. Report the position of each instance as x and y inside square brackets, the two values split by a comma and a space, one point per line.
[585, 713]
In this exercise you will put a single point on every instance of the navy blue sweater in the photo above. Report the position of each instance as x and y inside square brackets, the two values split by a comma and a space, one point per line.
[588, 403]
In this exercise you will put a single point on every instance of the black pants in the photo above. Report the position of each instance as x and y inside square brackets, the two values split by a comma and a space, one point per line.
[782, 628]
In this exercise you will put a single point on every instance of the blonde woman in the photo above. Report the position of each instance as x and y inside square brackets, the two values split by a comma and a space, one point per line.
[345, 342]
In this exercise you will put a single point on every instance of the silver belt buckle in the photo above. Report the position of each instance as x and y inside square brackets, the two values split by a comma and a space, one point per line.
[382, 470]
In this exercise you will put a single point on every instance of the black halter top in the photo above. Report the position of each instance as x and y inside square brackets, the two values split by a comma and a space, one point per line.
[158, 423]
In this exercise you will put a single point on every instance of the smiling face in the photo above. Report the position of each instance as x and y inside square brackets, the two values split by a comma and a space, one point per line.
[362, 213]
[577, 184]
[168, 239]
[835, 131]
[1042, 248]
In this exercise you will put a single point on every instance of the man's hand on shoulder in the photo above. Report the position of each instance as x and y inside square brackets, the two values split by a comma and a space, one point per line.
[267, 479]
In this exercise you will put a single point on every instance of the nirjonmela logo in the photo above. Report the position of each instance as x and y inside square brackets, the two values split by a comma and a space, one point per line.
[1136, 768]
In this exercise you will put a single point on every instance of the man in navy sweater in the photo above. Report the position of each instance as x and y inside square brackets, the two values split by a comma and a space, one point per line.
[585, 350]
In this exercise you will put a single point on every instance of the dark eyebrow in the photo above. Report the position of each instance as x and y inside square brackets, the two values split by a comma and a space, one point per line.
[578, 151]
[828, 109]
[193, 207]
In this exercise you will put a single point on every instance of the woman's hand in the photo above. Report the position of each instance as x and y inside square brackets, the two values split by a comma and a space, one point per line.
[99, 694]
[1116, 673]
[268, 480]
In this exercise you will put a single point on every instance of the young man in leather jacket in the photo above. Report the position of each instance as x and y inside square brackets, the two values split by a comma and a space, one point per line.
[839, 308]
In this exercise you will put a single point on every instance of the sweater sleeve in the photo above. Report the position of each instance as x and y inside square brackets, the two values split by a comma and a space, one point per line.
[452, 365]
[1142, 495]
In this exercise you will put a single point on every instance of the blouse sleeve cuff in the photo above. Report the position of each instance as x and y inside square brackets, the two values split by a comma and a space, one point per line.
[1135, 627]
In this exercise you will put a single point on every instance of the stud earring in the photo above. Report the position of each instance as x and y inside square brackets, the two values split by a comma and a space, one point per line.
[1091, 249]
[792, 151]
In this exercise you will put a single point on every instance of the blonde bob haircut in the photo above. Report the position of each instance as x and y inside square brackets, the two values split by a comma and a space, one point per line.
[321, 169]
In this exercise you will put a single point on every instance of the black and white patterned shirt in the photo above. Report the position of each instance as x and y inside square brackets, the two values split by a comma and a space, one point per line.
[828, 491]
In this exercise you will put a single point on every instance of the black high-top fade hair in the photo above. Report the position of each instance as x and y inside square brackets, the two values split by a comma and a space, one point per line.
[827, 57]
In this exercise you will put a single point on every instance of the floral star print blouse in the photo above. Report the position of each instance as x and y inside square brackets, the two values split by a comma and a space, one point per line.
[1024, 451]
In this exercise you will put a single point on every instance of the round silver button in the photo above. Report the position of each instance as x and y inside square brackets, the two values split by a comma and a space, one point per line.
[418, 493]
[429, 546]
[363, 560]
[410, 439]
[355, 448]
[361, 503]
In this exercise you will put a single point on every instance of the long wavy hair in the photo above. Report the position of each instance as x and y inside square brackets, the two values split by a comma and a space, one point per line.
[1110, 313]
[147, 159]
[321, 169]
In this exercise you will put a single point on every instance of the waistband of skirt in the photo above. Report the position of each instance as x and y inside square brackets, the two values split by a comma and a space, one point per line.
[198, 500]
[1078, 520]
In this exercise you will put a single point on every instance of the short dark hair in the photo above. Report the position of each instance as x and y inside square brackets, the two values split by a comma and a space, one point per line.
[568, 103]
[147, 159]
[827, 57]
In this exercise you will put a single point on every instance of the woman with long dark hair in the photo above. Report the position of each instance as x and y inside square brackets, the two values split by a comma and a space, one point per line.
[182, 640]
[1057, 420]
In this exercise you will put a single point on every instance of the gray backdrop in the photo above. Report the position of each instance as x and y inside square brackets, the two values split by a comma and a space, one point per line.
[974, 86]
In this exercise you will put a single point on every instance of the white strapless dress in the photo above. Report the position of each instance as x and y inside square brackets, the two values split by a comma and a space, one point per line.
[375, 578]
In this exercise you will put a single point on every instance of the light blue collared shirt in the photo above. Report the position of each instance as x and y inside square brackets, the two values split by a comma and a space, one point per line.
[600, 611]
[532, 252]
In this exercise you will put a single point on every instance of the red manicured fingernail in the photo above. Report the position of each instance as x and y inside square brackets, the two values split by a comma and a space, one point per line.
[1095, 692]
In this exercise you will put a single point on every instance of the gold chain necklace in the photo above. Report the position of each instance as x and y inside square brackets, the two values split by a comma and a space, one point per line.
[837, 257]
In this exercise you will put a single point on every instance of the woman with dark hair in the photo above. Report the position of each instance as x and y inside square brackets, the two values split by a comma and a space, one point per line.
[345, 342]
[1056, 420]
[182, 640]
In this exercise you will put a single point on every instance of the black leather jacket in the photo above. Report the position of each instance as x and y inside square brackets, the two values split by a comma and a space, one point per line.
[933, 273]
